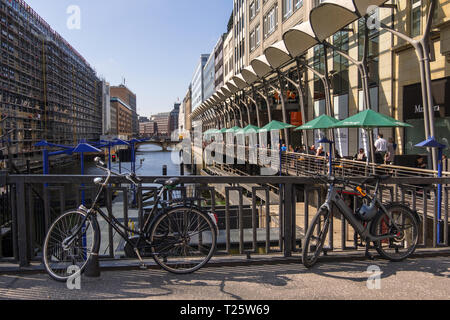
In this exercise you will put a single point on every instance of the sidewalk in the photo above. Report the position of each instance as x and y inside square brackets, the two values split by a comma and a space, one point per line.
[418, 278]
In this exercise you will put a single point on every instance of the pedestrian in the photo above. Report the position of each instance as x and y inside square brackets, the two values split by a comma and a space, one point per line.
[361, 156]
[390, 154]
[381, 148]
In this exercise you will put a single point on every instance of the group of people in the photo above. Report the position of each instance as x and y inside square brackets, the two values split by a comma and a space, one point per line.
[384, 151]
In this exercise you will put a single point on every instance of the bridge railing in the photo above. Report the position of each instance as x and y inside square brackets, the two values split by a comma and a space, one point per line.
[250, 221]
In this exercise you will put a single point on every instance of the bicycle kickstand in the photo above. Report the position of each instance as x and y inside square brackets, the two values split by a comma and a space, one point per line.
[368, 255]
[142, 266]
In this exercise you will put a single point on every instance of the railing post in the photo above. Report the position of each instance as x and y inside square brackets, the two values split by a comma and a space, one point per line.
[21, 224]
[287, 227]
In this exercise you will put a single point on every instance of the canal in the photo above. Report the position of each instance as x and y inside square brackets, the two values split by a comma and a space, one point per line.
[149, 162]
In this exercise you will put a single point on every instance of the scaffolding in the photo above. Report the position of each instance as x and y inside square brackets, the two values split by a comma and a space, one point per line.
[47, 90]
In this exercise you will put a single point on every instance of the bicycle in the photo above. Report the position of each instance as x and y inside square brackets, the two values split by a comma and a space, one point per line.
[180, 238]
[393, 228]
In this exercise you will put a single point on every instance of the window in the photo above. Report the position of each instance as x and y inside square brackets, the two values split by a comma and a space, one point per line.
[252, 41]
[287, 8]
[270, 21]
[319, 66]
[372, 54]
[340, 64]
[257, 6]
[416, 18]
[252, 10]
[257, 35]
[298, 4]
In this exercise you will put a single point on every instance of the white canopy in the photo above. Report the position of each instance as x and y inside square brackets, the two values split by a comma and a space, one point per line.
[299, 39]
[261, 66]
[240, 82]
[231, 85]
[249, 75]
[277, 54]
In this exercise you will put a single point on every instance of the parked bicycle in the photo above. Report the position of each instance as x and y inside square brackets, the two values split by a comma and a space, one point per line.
[393, 228]
[181, 237]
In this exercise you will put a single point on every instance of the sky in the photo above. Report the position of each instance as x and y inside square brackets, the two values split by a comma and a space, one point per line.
[154, 44]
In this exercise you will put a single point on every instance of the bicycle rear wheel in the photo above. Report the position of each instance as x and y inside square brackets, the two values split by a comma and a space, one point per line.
[315, 237]
[399, 248]
[183, 240]
[58, 258]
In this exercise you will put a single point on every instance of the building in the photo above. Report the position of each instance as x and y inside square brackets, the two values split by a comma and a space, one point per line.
[147, 128]
[174, 117]
[209, 73]
[228, 57]
[47, 89]
[128, 97]
[184, 123]
[106, 107]
[162, 121]
[123, 119]
[218, 62]
[394, 78]
[240, 11]
[197, 82]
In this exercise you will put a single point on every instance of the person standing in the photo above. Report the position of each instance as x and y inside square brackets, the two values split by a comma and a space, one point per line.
[390, 155]
[380, 148]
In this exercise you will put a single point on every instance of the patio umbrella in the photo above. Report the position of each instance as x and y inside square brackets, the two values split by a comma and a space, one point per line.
[276, 125]
[249, 128]
[369, 120]
[233, 130]
[322, 122]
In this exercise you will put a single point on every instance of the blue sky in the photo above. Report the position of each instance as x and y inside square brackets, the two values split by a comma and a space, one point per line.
[154, 44]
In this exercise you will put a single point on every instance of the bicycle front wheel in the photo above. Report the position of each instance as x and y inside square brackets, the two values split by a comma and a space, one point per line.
[57, 257]
[315, 237]
[183, 240]
[407, 233]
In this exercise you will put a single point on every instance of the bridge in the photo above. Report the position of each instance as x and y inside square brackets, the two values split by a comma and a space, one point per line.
[161, 141]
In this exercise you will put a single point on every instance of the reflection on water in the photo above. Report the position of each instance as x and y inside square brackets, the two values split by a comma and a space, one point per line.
[149, 162]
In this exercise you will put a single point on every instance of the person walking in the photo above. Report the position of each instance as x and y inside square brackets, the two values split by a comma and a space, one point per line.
[390, 155]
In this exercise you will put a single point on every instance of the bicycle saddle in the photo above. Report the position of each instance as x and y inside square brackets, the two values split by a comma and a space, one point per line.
[172, 182]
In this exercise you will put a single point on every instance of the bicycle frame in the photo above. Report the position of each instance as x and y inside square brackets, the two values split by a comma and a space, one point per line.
[333, 198]
[112, 221]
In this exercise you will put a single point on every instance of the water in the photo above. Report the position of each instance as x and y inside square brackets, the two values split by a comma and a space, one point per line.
[149, 162]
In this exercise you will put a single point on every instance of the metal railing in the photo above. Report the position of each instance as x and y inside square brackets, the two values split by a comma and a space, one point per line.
[254, 218]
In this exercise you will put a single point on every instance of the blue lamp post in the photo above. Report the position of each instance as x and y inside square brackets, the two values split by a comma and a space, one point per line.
[432, 143]
[330, 158]
[83, 148]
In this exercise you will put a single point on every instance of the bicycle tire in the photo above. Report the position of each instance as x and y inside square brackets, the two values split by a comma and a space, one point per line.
[389, 248]
[54, 253]
[323, 226]
[173, 232]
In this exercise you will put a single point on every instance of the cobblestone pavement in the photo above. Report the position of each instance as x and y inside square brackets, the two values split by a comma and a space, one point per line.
[420, 278]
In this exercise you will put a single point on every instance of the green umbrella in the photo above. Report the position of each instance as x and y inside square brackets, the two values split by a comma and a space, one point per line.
[370, 119]
[322, 122]
[249, 128]
[223, 130]
[211, 131]
[276, 125]
[233, 130]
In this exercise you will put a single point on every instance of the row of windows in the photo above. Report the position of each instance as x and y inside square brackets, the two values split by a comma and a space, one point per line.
[255, 37]
[290, 6]
[270, 21]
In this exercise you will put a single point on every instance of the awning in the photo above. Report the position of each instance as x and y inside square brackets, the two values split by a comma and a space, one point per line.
[331, 16]
[249, 75]
[277, 54]
[231, 85]
[240, 82]
[217, 98]
[221, 95]
[299, 39]
[261, 66]
[227, 92]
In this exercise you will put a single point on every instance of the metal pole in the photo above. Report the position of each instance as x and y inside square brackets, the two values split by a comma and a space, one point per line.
[283, 107]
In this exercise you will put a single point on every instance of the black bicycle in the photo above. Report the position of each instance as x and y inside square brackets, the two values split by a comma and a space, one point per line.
[393, 228]
[181, 238]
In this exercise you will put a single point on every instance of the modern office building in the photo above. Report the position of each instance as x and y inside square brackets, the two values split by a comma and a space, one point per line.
[174, 115]
[228, 57]
[184, 122]
[47, 89]
[209, 73]
[218, 62]
[123, 118]
[127, 96]
[197, 82]
[240, 22]
[162, 121]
